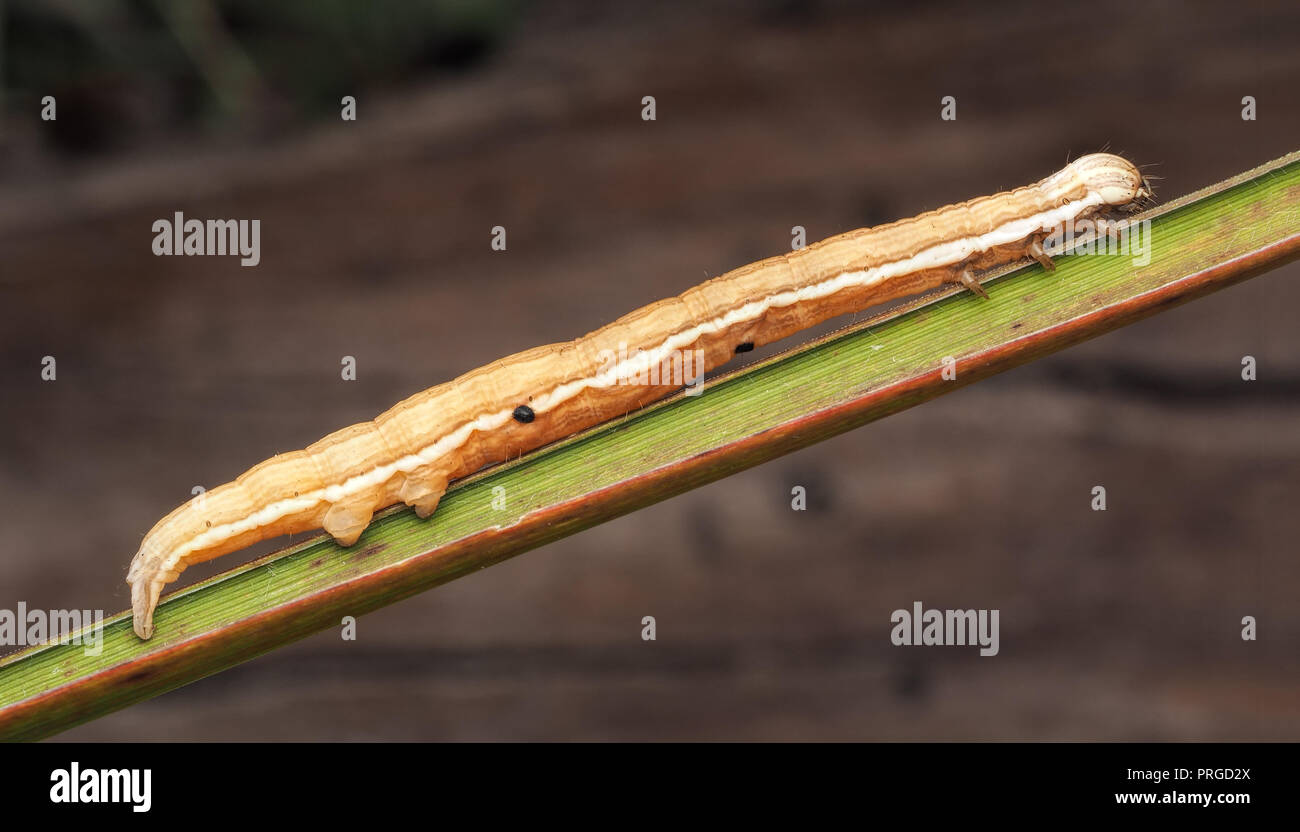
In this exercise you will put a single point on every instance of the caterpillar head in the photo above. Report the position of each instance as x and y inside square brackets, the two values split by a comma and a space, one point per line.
[1114, 180]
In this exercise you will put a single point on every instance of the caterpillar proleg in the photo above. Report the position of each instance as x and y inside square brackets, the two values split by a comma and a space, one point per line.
[411, 452]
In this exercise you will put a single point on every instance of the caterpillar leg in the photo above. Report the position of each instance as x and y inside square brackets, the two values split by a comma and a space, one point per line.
[346, 521]
[967, 278]
[1035, 250]
[422, 491]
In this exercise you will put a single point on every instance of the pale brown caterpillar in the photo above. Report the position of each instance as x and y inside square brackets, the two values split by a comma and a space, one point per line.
[410, 453]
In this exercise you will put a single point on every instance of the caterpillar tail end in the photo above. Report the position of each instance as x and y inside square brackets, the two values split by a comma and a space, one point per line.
[145, 589]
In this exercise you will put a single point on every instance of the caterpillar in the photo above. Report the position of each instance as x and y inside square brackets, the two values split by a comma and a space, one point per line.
[410, 453]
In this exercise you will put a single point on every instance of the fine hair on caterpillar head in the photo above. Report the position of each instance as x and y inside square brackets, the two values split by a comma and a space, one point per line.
[1115, 180]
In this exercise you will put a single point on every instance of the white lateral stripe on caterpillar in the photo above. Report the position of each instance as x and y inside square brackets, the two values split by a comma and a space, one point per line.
[935, 257]
[640, 363]
[1091, 182]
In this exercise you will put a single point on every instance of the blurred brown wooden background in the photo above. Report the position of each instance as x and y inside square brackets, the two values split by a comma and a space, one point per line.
[772, 624]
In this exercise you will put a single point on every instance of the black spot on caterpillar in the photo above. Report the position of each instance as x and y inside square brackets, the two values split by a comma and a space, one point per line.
[523, 413]
[745, 347]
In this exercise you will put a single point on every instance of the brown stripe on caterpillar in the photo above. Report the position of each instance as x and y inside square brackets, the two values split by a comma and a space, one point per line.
[411, 452]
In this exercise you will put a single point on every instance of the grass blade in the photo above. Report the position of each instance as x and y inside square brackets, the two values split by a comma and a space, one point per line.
[1200, 243]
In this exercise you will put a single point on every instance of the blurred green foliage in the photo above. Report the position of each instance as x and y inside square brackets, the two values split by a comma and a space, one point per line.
[133, 64]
